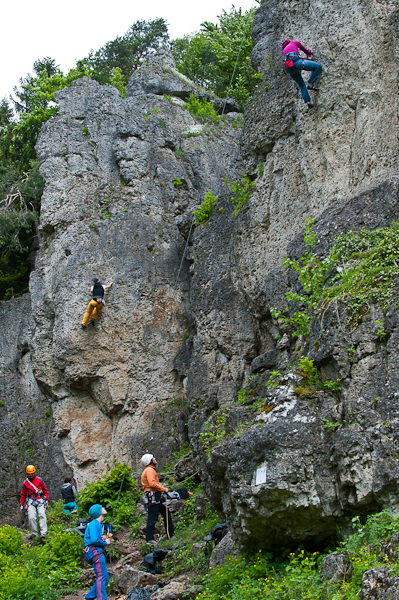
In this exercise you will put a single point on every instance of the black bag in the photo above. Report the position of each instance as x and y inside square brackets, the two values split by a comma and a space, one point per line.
[183, 493]
[81, 525]
[217, 533]
[150, 560]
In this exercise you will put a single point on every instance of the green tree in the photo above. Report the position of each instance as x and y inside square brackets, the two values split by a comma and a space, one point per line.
[19, 209]
[209, 56]
[127, 52]
[33, 102]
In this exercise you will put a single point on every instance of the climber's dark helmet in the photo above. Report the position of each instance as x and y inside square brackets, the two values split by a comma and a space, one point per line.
[96, 280]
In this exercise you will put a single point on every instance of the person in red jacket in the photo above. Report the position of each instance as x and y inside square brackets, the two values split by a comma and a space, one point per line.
[34, 497]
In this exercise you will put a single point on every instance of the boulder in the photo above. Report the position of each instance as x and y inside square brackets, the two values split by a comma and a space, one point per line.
[225, 548]
[172, 591]
[336, 567]
[128, 578]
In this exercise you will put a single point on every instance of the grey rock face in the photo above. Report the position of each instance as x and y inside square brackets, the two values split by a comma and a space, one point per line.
[120, 176]
[27, 426]
[353, 144]
[378, 583]
[167, 358]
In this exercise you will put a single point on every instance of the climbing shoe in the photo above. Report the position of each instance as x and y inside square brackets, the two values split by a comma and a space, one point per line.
[83, 326]
[310, 105]
[315, 89]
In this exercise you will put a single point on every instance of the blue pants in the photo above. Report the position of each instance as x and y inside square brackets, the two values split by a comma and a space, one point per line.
[69, 507]
[295, 72]
[97, 559]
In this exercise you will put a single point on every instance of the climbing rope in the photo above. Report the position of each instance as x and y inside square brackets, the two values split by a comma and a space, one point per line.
[235, 66]
[142, 403]
[68, 253]
[162, 335]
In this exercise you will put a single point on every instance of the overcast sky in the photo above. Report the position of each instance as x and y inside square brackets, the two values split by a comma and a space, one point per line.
[68, 31]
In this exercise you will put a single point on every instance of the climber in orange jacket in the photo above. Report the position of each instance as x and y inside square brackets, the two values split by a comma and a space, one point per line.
[96, 304]
[153, 490]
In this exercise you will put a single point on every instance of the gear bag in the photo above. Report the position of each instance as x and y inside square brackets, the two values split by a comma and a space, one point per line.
[217, 533]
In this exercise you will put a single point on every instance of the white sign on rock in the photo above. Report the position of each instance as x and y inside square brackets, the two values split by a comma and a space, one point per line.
[260, 476]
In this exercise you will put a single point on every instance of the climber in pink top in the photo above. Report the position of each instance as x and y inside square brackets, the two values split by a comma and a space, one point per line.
[295, 64]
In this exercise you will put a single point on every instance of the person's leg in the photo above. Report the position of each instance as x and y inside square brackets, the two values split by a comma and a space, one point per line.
[91, 594]
[297, 77]
[310, 65]
[102, 577]
[152, 518]
[41, 511]
[96, 311]
[88, 312]
[162, 510]
[32, 519]
[69, 507]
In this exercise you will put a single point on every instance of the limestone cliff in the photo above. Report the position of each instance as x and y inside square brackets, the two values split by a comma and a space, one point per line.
[122, 178]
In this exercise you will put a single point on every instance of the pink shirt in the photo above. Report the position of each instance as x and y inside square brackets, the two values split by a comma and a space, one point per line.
[295, 47]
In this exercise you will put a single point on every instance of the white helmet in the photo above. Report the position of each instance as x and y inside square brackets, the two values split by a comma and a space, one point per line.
[146, 459]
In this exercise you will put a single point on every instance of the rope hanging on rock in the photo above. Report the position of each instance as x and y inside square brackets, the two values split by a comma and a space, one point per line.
[235, 66]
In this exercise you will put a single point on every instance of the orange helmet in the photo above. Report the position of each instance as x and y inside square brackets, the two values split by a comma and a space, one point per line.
[30, 469]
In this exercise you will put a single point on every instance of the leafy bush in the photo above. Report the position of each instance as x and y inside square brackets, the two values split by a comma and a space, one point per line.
[361, 269]
[205, 210]
[208, 56]
[10, 540]
[35, 572]
[202, 110]
[20, 586]
[242, 191]
[105, 492]
[214, 431]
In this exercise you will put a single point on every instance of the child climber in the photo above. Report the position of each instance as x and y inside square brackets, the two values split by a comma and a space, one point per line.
[294, 64]
[95, 542]
[95, 305]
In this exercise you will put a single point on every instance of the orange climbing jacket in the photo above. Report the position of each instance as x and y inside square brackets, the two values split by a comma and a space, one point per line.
[150, 481]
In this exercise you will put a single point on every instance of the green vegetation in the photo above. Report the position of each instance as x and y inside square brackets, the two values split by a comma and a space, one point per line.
[119, 58]
[19, 207]
[202, 110]
[208, 56]
[242, 191]
[297, 577]
[188, 532]
[203, 213]
[361, 270]
[312, 381]
[214, 431]
[105, 492]
[274, 380]
[37, 572]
